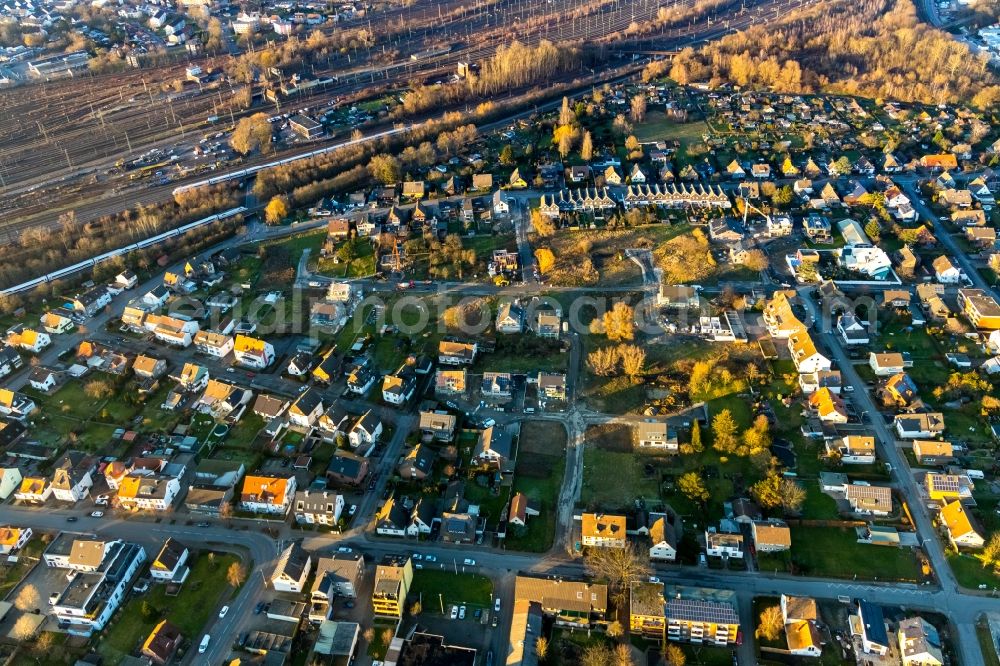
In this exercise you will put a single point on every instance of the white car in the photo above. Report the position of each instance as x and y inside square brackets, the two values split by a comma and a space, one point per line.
[344, 549]
[461, 613]
[223, 611]
[454, 612]
[469, 562]
[97, 514]
[496, 605]
[204, 644]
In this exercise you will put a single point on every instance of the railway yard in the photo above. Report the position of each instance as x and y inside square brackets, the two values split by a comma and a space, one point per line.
[96, 145]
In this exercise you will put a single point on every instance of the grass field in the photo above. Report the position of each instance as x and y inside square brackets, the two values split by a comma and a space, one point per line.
[970, 572]
[986, 644]
[662, 128]
[612, 480]
[540, 466]
[834, 552]
[437, 586]
[11, 575]
[201, 595]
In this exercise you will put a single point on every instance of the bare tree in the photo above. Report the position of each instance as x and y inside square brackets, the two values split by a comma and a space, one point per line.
[770, 625]
[542, 648]
[623, 655]
[27, 598]
[24, 628]
[674, 655]
[638, 108]
[620, 566]
[236, 574]
[633, 359]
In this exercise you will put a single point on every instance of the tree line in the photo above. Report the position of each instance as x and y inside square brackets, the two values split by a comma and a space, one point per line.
[874, 48]
[40, 250]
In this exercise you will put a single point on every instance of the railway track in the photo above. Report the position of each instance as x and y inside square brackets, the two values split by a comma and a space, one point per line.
[478, 31]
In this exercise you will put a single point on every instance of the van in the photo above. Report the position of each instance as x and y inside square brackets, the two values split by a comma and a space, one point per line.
[204, 644]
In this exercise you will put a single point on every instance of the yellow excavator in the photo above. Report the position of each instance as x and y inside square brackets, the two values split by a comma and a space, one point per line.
[501, 281]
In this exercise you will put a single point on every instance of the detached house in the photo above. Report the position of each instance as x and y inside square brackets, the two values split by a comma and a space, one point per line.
[456, 353]
[653, 434]
[306, 409]
[520, 509]
[933, 452]
[494, 448]
[170, 561]
[147, 492]
[887, 364]
[292, 569]
[919, 426]
[398, 388]
[771, 536]
[945, 271]
[270, 493]
[663, 538]
[869, 500]
[318, 508]
[438, 424]
[852, 331]
[603, 530]
[417, 463]
[28, 339]
[919, 643]
[805, 356]
[73, 477]
[450, 382]
[800, 616]
[853, 449]
[828, 406]
[253, 353]
[723, 544]
[366, 430]
[958, 525]
[510, 318]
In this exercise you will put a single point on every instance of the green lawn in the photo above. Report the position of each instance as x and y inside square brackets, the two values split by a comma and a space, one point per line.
[11, 575]
[612, 479]
[201, 595]
[834, 552]
[437, 586]
[986, 644]
[970, 572]
[526, 354]
[245, 431]
[539, 476]
[818, 505]
[661, 128]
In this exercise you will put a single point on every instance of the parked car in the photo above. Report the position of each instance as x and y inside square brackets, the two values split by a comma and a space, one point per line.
[454, 612]
[461, 613]
[469, 562]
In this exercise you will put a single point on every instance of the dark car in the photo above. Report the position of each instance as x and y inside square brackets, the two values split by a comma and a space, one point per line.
[71, 519]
